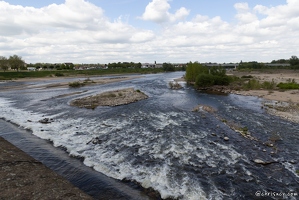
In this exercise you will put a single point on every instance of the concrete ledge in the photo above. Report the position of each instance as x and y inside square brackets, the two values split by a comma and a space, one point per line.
[23, 177]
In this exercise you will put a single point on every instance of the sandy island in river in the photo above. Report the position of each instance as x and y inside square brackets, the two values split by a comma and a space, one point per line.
[110, 98]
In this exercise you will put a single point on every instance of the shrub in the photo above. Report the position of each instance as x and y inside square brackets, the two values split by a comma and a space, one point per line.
[247, 76]
[269, 85]
[291, 85]
[204, 80]
[76, 84]
[221, 80]
[252, 85]
[138, 91]
[59, 74]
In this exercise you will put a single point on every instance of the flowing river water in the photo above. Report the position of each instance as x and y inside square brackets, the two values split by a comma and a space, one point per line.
[157, 143]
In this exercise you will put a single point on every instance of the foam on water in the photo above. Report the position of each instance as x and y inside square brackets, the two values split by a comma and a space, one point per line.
[159, 150]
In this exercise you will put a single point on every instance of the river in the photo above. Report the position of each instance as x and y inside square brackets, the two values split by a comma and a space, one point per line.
[159, 142]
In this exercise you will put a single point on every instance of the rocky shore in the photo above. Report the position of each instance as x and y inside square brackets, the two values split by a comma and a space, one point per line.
[111, 98]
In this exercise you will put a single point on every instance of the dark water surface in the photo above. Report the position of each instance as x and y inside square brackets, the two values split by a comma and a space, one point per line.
[158, 142]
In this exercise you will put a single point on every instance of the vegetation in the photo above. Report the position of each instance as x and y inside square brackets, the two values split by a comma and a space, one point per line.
[3, 63]
[76, 84]
[80, 84]
[247, 76]
[203, 76]
[254, 84]
[9, 75]
[59, 74]
[291, 84]
[124, 65]
[292, 63]
[14, 62]
[168, 67]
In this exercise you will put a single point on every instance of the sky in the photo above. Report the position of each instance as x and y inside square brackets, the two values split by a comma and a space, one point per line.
[176, 31]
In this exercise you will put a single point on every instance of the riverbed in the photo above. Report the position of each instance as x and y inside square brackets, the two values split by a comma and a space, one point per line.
[159, 142]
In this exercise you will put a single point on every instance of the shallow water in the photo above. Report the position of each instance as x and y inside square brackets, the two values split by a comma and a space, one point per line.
[161, 144]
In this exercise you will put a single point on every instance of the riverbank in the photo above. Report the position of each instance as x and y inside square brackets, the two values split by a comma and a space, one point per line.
[282, 103]
[65, 82]
[23, 177]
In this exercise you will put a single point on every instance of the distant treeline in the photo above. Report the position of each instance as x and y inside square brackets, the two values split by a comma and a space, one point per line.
[292, 63]
[124, 65]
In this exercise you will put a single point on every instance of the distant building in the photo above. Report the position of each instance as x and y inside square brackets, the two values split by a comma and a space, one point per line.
[31, 68]
[148, 65]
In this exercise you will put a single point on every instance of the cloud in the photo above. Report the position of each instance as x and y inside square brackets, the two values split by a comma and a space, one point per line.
[55, 32]
[80, 32]
[157, 11]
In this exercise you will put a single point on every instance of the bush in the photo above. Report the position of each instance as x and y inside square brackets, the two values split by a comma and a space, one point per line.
[76, 84]
[221, 80]
[269, 85]
[204, 80]
[252, 85]
[247, 76]
[291, 85]
[59, 74]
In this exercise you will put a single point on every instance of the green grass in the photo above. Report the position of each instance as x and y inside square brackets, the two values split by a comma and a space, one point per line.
[10, 75]
[254, 84]
[288, 86]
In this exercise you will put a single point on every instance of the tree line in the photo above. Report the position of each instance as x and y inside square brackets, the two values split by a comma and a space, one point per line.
[57, 66]
[292, 63]
[14, 62]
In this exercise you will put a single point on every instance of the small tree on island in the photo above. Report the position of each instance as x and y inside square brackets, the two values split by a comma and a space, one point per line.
[203, 76]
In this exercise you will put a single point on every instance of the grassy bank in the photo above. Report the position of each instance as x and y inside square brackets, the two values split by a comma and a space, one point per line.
[11, 75]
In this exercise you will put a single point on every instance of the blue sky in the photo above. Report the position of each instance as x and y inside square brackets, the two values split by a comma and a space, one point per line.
[102, 31]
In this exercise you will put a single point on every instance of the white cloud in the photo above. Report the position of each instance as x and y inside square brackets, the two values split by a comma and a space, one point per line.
[78, 31]
[157, 11]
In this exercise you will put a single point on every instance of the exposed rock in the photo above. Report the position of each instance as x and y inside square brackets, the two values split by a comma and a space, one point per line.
[174, 85]
[111, 98]
[46, 121]
[259, 161]
[96, 140]
[204, 108]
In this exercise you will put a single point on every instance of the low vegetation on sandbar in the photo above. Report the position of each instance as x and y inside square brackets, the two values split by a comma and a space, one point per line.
[110, 98]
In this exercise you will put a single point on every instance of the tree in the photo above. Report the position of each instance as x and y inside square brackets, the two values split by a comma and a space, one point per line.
[168, 67]
[294, 60]
[16, 62]
[193, 70]
[3, 63]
